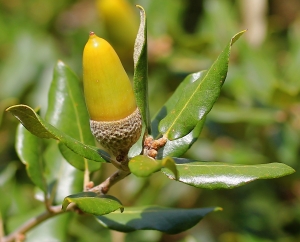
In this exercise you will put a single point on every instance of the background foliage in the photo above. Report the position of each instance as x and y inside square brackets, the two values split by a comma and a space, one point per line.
[256, 119]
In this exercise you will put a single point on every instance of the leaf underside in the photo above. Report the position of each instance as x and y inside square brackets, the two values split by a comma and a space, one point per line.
[140, 81]
[40, 128]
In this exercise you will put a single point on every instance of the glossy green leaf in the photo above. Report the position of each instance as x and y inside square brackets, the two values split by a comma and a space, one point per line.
[28, 148]
[67, 112]
[178, 147]
[172, 101]
[140, 78]
[89, 202]
[144, 166]
[37, 126]
[214, 175]
[198, 98]
[167, 220]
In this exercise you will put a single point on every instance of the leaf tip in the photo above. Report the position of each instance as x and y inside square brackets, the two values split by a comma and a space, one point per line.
[140, 7]
[237, 36]
[60, 64]
[218, 209]
[65, 204]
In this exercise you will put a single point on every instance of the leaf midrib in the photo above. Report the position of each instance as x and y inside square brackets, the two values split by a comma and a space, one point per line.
[177, 117]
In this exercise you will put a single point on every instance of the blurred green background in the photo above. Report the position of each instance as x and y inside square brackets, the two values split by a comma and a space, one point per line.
[256, 119]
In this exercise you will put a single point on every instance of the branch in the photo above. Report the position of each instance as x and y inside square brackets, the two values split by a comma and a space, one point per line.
[19, 234]
[104, 187]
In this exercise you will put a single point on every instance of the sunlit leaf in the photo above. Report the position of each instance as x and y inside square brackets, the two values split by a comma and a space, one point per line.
[214, 175]
[28, 148]
[143, 166]
[178, 147]
[172, 101]
[198, 98]
[37, 126]
[90, 202]
[167, 220]
[67, 112]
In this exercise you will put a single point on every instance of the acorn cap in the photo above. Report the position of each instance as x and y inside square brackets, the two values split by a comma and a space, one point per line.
[108, 92]
[118, 136]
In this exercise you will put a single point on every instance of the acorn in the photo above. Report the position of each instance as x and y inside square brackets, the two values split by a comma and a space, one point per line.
[115, 119]
[121, 24]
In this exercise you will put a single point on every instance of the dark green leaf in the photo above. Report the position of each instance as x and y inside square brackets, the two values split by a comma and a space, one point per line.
[198, 98]
[28, 148]
[143, 166]
[172, 101]
[67, 112]
[177, 147]
[167, 220]
[140, 78]
[89, 202]
[37, 126]
[214, 175]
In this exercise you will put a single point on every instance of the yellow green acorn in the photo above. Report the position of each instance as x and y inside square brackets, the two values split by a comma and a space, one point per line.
[115, 119]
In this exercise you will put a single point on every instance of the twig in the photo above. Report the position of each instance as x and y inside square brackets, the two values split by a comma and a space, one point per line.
[86, 176]
[104, 187]
[28, 225]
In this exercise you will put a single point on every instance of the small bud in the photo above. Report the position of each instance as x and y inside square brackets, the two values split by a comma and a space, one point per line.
[114, 117]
